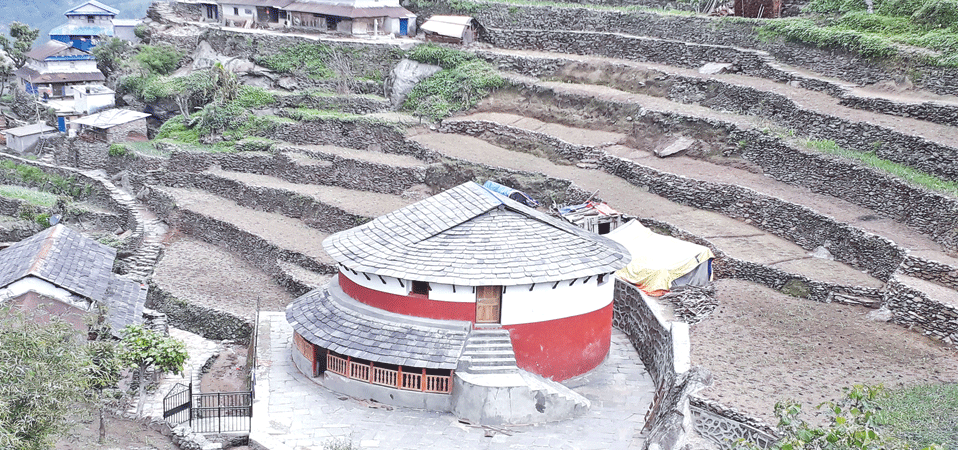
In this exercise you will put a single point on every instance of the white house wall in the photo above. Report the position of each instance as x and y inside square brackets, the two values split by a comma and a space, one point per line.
[521, 305]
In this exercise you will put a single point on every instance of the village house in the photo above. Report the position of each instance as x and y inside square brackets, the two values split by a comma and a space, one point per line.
[456, 303]
[449, 29]
[112, 125]
[25, 139]
[88, 22]
[356, 17]
[54, 67]
[59, 272]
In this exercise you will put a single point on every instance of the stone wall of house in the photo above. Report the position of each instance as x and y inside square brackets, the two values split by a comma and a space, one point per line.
[207, 322]
[127, 131]
[593, 31]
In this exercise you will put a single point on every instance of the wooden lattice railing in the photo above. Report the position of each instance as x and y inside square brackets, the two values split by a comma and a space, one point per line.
[409, 379]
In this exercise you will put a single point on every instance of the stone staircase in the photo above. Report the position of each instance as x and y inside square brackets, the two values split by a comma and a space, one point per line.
[488, 372]
[488, 351]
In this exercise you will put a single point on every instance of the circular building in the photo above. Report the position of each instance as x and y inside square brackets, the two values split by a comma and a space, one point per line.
[466, 288]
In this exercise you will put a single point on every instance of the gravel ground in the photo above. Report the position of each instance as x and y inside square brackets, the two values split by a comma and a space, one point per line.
[763, 347]
[208, 275]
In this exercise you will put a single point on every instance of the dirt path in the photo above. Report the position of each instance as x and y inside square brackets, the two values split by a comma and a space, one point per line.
[763, 346]
[738, 239]
[841, 210]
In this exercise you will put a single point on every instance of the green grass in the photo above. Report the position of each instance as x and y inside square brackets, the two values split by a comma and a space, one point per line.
[464, 81]
[306, 59]
[895, 24]
[33, 197]
[870, 159]
[148, 148]
[308, 114]
[922, 415]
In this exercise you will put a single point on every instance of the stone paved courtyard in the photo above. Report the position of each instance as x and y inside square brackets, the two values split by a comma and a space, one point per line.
[294, 412]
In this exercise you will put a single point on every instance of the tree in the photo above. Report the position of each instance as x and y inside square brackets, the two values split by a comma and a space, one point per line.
[43, 376]
[109, 54]
[23, 37]
[143, 349]
[105, 373]
[6, 70]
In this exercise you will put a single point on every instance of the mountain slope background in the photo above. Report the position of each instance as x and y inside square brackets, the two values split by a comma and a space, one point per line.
[47, 14]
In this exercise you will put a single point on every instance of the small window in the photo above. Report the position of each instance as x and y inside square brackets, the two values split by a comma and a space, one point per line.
[236, 11]
[420, 288]
[600, 279]
[91, 19]
[248, 12]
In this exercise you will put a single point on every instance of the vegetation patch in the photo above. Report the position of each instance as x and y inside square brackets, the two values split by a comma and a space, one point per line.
[301, 59]
[923, 415]
[26, 175]
[464, 81]
[309, 114]
[870, 159]
[31, 196]
[796, 288]
[890, 30]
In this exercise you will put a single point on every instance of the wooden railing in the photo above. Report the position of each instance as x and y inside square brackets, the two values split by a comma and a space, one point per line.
[402, 378]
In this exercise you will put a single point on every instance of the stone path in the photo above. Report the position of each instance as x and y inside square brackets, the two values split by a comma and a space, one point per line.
[294, 412]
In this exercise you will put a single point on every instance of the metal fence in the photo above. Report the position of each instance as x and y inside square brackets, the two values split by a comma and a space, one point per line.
[217, 412]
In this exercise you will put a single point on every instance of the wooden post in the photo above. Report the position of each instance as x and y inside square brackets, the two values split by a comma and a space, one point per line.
[423, 381]
[399, 377]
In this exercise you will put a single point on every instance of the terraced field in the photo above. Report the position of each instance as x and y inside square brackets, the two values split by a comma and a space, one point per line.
[748, 182]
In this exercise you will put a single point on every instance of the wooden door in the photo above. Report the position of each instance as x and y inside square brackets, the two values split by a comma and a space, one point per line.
[488, 304]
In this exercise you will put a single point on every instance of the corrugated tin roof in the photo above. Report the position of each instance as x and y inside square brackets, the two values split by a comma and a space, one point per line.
[110, 118]
[47, 50]
[27, 130]
[471, 236]
[346, 10]
[92, 7]
[72, 29]
[35, 77]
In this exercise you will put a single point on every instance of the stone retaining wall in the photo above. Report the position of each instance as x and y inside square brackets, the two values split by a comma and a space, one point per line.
[878, 256]
[932, 271]
[928, 111]
[545, 21]
[913, 308]
[364, 134]
[933, 214]
[207, 322]
[890, 144]
[354, 104]
[726, 426]
[334, 171]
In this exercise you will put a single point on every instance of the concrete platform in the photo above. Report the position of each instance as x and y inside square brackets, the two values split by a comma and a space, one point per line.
[293, 412]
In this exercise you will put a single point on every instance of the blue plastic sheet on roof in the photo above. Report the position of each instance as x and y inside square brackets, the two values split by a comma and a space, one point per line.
[512, 193]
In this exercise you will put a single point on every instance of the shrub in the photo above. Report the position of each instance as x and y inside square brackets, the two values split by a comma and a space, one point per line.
[308, 59]
[160, 59]
[451, 90]
[255, 97]
[444, 57]
[254, 144]
[118, 150]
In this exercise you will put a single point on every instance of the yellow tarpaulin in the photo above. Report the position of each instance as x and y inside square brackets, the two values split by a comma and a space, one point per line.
[657, 259]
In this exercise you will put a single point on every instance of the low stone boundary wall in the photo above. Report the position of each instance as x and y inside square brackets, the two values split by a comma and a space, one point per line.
[361, 133]
[911, 307]
[928, 111]
[932, 271]
[664, 348]
[725, 426]
[354, 104]
[207, 322]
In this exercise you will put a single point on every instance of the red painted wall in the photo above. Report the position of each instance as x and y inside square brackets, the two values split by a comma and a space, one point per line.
[408, 305]
[563, 348]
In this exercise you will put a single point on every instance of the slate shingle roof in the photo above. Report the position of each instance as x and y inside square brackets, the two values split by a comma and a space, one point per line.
[471, 236]
[329, 318]
[64, 257]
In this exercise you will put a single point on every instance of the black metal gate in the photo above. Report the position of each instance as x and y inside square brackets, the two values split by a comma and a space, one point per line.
[218, 412]
[222, 412]
[176, 405]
